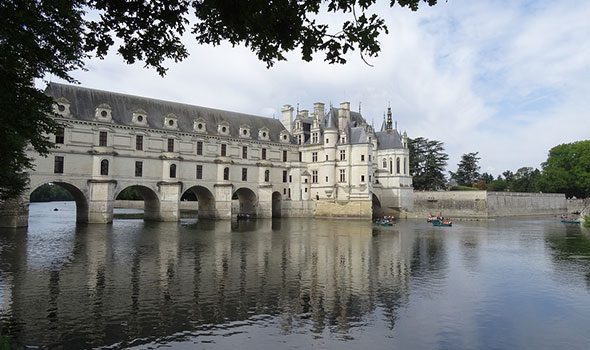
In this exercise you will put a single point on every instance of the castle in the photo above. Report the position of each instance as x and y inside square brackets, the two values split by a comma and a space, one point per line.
[329, 162]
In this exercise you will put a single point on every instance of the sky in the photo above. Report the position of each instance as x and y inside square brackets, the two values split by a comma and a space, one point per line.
[508, 79]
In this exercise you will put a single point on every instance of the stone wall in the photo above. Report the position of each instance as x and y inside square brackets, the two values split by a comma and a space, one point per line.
[297, 209]
[350, 209]
[483, 204]
[577, 205]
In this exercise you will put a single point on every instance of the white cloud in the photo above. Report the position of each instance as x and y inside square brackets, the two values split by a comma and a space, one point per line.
[509, 79]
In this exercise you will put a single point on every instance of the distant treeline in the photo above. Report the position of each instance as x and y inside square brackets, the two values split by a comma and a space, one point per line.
[50, 192]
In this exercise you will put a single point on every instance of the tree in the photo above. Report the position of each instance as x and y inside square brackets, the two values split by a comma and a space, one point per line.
[467, 170]
[525, 180]
[567, 170]
[42, 37]
[427, 163]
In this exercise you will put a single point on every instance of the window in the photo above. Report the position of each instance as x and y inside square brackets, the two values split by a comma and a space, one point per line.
[306, 190]
[327, 140]
[284, 191]
[172, 171]
[342, 154]
[59, 135]
[102, 138]
[327, 179]
[139, 142]
[362, 157]
[343, 139]
[369, 178]
[406, 166]
[139, 169]
[384, 163]
[263, 155]
[342, 175]
[244, 152]
[244, 174]
[397, 166]
[200, 148]
[326, 157]
[300, 156]
[390, 166]
[284, 156]
[369, 157]
[267, 175]
[314, 157]
[362, 178]
[199, 171]
[104, 167]
[284, 175]
[289, 193]
[299, 139]
[170, 145]
[314, 176]
[290, 178]
[223, 150]
[58, 165]
[226, 173]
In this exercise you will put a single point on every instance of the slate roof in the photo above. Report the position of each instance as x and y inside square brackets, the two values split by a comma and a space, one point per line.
[84, 101]
[389, 139]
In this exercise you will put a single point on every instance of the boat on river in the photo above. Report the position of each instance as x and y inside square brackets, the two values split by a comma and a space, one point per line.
[442, 222]
[566, 219]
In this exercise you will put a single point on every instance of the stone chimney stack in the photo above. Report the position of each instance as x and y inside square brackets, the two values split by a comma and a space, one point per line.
[287, 118]
[318, 111]
[343, 115]
[304, 113]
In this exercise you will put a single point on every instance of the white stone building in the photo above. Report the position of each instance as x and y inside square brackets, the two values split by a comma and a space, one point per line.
[325, 163]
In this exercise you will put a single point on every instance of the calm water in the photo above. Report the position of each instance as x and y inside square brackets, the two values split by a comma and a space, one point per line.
[294, 284]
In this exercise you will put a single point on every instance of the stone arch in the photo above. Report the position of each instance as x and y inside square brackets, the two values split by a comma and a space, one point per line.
[79, 197]
[205, 199]
[376, 206]
[276, 204]
[151, 201]
[244, 202]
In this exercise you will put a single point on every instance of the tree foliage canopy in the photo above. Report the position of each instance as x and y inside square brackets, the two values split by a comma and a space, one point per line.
[427, 164]
[467, 170]
[567, 170]
[42, 37]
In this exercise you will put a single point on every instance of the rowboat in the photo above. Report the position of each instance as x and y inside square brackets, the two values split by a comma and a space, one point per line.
[439, 222]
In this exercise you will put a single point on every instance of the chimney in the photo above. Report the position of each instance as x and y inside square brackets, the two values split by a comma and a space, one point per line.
[318, 111]
[287, 118]
[343, 115]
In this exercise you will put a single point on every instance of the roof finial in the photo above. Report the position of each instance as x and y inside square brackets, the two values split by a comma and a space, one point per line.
[359, 107]
[389, 124]
[297, 108]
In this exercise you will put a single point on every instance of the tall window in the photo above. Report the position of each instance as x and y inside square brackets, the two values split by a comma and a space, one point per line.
[362, 157]
[245, 152]
[342, 175]
[314, 156]
[223, 149]
[58, 165]
[104, 167]
[139, 142]
[59, 135]
[300, 156]
[263, 155]
[244, 174]
[139, 169]
[226, 173]
[267, 175]
[384, 163]
[170, 145]
[284, 175]
[397, 166]
[102, 138]
[172, 171]
[406, 166]
[284, 156]
[199, 171]
[200, 147]
[362, 178]
[342, 154]
[314, 176]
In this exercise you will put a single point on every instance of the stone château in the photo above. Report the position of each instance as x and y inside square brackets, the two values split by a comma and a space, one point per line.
[325, 162]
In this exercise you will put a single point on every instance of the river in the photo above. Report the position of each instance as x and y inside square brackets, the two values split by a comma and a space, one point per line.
[293, 284]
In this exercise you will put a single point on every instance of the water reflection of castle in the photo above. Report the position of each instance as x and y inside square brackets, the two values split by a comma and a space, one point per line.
[160, 279]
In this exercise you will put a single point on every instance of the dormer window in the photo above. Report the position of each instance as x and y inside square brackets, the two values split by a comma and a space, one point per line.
[223, 129]
[139, 117]
[264, 134]
[62, 107]
[171, 121]
[284, 136]
[245, 131]
[199, 125]
[103, 113]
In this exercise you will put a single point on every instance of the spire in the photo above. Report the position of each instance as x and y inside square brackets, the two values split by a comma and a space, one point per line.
[359, 107]
[389, 124]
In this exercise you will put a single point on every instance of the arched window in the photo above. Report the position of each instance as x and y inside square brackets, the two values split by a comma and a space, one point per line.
[104, 167]
[406, 166]
[390, 166]
[226, 173]
[384, 163]
[397, 166]
[267, 175]
[172, 171]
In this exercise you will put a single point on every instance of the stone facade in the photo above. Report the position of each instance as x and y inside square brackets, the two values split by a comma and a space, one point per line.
[325, 163]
